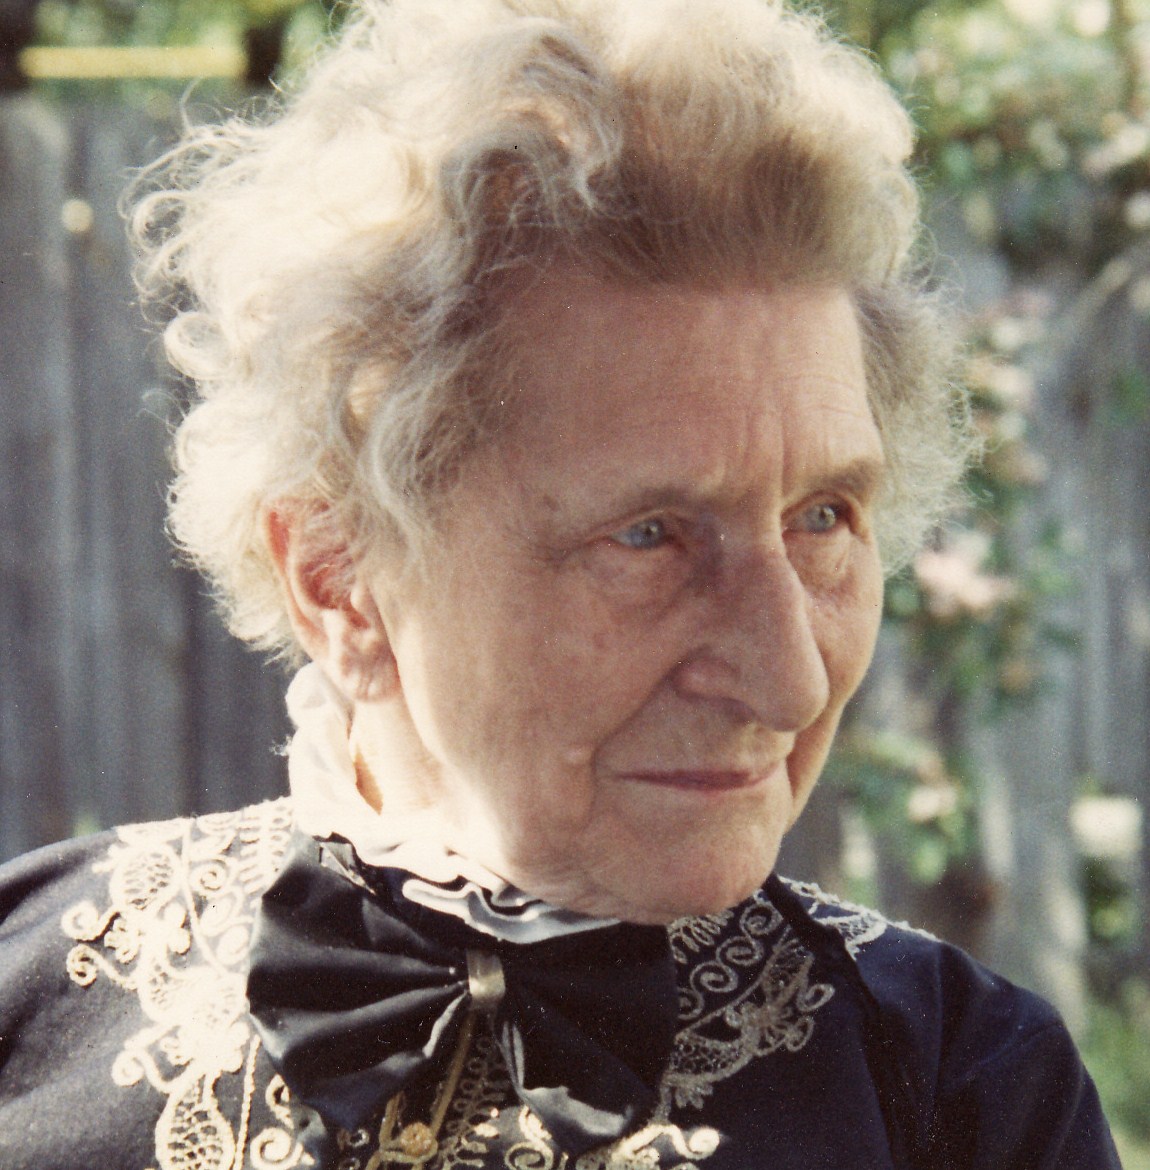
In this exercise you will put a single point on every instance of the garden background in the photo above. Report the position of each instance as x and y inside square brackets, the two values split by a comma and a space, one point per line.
[993, 779]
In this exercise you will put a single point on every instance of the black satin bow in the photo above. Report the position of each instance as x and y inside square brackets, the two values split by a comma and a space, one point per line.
[358, 993]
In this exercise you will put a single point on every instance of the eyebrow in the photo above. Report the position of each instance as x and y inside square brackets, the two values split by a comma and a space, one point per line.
[862, 477]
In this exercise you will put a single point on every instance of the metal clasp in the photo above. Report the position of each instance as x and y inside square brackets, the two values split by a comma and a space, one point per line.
[485, 981]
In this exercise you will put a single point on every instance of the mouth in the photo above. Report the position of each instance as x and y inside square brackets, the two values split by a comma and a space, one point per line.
[702, 779]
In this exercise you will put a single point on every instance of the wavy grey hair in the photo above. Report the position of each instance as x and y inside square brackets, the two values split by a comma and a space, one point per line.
[339, 265]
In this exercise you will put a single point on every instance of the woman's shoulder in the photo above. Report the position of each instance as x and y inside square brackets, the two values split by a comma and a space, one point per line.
[914, 974]
[931, 998]
[989, 1069]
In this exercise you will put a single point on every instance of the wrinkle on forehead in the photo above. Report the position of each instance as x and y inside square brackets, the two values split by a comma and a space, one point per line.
[687, 397]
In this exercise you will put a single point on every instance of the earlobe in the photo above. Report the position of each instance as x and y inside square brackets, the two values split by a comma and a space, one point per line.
[333, 613]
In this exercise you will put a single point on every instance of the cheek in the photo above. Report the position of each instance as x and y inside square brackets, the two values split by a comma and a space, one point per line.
[589, 681]
[601, 651]
[849, 622]
[805, 763]
[847, 629]
[532, 687]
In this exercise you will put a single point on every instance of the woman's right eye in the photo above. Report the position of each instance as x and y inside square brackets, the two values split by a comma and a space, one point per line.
[643, 535]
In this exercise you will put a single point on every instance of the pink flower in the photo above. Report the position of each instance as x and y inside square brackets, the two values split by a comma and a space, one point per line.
[954, 583]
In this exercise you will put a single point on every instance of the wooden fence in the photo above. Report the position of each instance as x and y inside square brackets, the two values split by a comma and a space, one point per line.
[120, 697]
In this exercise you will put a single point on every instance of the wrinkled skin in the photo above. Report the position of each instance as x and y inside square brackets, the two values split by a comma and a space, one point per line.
[649, 600]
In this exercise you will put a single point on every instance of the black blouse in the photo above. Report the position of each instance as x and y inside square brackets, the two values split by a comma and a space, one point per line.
[811, 1033]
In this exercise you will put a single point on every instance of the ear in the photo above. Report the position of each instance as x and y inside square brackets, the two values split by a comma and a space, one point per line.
[332, 610]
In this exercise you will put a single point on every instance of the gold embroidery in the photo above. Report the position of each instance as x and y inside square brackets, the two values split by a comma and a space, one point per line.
[275, 1148]
[466, 1106]
[654, 1146]
[176, 934]
[536, 1151]
[483, 1087]
[418, 1142]
[752, 995]
[640, 1152]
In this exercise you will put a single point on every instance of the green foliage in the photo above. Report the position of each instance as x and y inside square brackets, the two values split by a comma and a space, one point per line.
[275, 36]
[1033, 119]
[1129, 401]
[916, 806]
[156, 22]
[1117, 1052]
[1111, 904]
[1031, 116]
[974, 616]
[977, 604]
[1033, 126]
[1107, 828]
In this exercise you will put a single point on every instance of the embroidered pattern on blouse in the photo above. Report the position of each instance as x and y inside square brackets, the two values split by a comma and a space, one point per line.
[484, 1117]
[748, 993]
[176, 934]
[644, 1150]
[469, 1128]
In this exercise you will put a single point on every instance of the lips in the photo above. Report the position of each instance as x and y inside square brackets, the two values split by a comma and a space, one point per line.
[702, 779]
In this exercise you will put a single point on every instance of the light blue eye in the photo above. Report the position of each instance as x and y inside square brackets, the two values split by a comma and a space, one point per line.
[645, 535]
[821, 518]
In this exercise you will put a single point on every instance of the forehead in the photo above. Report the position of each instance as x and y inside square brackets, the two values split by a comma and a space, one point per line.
[700, 381]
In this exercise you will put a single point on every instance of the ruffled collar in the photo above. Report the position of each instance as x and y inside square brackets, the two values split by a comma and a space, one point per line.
[328, 804]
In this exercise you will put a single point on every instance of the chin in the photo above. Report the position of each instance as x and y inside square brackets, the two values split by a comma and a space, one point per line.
[671, 876]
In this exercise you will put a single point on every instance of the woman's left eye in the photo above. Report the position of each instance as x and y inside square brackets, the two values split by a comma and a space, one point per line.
[821, 518]
[642, 536]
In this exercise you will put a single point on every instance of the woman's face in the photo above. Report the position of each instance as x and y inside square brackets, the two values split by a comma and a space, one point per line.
[650, 597]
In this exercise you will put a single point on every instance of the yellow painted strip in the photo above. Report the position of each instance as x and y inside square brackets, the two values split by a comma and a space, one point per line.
[103, 62]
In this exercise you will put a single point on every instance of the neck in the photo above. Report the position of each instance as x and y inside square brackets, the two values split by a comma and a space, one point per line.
[391, 765]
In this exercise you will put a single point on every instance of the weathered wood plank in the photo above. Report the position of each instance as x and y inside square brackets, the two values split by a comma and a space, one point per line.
[120, 698]
[39, 529]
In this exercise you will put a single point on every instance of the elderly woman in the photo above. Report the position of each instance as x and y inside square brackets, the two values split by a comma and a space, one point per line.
[565, 388]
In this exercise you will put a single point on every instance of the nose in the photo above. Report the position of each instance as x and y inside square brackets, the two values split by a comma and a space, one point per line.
[756, 645]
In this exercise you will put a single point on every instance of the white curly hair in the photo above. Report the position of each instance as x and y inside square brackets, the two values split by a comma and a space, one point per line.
[337, 265]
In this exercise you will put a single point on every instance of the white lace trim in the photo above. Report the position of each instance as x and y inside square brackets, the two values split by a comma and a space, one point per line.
[328, 803]
[857, 924]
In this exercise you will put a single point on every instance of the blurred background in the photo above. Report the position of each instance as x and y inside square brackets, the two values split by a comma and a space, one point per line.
[993, 778]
